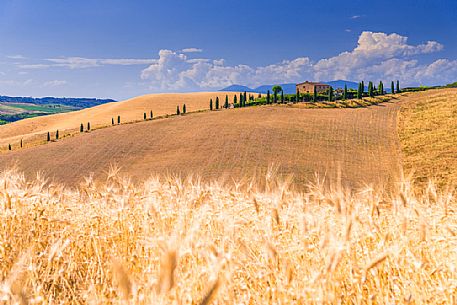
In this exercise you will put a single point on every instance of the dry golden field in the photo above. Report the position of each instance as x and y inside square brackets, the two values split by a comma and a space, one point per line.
[30, 130]
[428, 136]
[235, 143]
[169, 241]
[236, 232]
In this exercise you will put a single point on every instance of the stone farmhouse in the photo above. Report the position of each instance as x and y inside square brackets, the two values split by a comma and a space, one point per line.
[308, 87]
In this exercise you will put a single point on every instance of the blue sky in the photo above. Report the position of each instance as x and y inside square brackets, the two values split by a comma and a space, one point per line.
[121, 49]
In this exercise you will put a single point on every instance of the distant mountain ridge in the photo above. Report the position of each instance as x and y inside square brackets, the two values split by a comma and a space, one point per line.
[289, 88]
[77, 102]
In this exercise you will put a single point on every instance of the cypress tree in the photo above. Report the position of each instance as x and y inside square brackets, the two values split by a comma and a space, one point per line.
[392, 87]
[282, 96]
[398, 86]
[381, 88]
[226, 102]
[151, 115]
[112, 121]
[345, 92]
[211, 104]
[57, 134]
[275, 97]
[178, 112]
[268, 97]
[21, 143]
[298, 95]
[330, 94]
[217, 102]
[241, 99]
[144, 116]
[81, 128]
[184, 109]
[235, 99]
[315, 94]
[244, 98]
[118, 119]
[359, 91]
[9, 146]
[259, 96]
[370, 89]
[49, 136]
[88, 126]
[363, 88]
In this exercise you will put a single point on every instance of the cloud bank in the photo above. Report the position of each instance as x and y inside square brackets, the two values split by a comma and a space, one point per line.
[377, 56]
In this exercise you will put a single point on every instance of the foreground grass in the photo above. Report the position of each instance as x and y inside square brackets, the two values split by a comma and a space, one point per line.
[428, 135]
[170, 241]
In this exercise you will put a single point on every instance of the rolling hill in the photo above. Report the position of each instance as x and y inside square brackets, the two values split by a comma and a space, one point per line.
[129, 110]
[226, 144]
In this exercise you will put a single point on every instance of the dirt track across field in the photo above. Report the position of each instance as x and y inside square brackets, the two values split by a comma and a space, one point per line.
[233, 143]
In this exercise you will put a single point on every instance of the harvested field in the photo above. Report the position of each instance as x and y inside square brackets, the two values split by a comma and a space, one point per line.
[428, 136]
[129, 110]
[232, 144]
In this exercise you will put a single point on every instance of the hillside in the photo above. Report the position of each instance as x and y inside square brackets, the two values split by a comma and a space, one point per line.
[129, 110]
[428, 135]
[227, 144]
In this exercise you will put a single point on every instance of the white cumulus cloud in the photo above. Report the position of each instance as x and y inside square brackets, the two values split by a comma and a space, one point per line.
[54, 83]
[192, 50]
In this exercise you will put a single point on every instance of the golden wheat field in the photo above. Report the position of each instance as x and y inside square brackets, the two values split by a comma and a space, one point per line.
[428, 136]
[115, 239]
[172, 241]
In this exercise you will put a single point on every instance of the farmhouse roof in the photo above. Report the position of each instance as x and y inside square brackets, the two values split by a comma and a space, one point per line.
[313, 83]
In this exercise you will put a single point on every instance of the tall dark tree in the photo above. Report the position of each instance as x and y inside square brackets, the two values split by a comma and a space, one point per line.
[151, 115]
[330, 94]
[363, 88]
[21, 143]
[112, 121]
[88, 126]
[57, 134]
[118, 119]
[392, 87]
[184, 110]
[9, 146]
[217, 102]
[211, 104]
[178, 112]
[282, 96]
[315, 94]
[297, 95]
[268, 97]
[398, 86]
[370, 89]
[144, 116]
[244, 98]
[359, 91]
[226, 102]
[345, 92]
[241, 100]
[49, 136]
[81, 128]
[380, 88]
[235, 99]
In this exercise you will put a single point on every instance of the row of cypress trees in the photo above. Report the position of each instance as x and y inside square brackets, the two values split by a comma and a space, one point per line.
[178, 110]
[372, 90]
